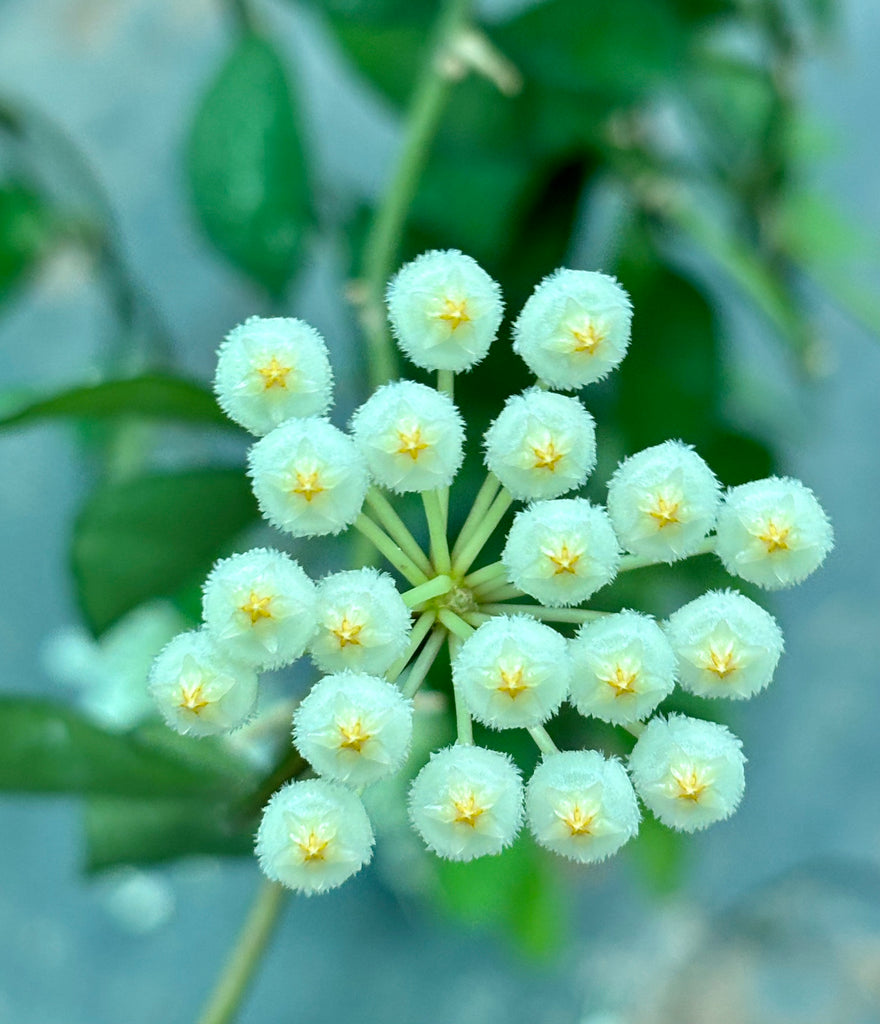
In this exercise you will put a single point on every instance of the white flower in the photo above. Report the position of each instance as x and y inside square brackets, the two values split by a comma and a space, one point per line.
[623, 666]
[581, 805]
[688, 772]
[772, 532]
[313, 836]
[467, 802]
[199, 691]
[574, 328]
[444, 310]
[354, 728]
[309, 478]
[663, 501]
[541, 445]
[411, 436]
[270, 369]
[513, 672]
[259, 607]
[561, 551]
[363, 623]
[727, 645]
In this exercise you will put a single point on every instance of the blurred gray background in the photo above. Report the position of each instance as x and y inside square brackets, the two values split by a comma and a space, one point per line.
[779, 920]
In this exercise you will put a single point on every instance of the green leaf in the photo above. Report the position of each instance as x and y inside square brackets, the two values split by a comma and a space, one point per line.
[123, 831]
[152, 396]
[378, 11]
[46, 747]
[660, 855]
[518, 893]
[151, 536]
[25, 227]
[247, 166]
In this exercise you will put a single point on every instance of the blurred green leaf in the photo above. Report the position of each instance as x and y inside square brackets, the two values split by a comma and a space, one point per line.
[124, 831]
[247, 166]
[26, 225]
[378, 11]
[520, 893]
[660, 856]
[151, 536]
[151, 396]
[46, 747]
[737, 458]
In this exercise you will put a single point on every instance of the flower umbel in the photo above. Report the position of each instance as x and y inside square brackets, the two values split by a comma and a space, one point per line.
[374, 637]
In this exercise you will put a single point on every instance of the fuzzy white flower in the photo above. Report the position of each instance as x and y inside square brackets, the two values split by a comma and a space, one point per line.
[309, 478]
[561, 551]
[313, 835]
[259, 607]
[354, 728]
[773, 532]
[467, 802]
[411, 436]
[689, 772]
[727, 646]
[363, 623]
[444, 310]
[574, 328]
[513, 672]
[272, 368]
[623, 666]
[581, 805]
[663, 501]
[199, 691]
[541, 445]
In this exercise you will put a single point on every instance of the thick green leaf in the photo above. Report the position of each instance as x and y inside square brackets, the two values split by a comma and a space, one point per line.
[25, 228]
[153, 396]
[151, 536]
[124, 831]
[47, 747]
[247, 166]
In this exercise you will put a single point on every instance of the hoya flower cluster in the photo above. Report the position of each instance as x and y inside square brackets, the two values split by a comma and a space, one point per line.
[373, 636]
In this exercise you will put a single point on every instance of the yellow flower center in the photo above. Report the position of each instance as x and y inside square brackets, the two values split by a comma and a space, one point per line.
[308, 485]
[774, 538]
[257, 607]
[622, 680]
[467, 810]
[691, 784]
[348, 632]
[411, 442]
[512, 682]
[722, 663]
[578, 821]
[274, 374]
[454, 313]
[547, 456]
[313, 848]
[564, 559]
[354, 736]
[587, 339]
[192, 698]
[664, 512]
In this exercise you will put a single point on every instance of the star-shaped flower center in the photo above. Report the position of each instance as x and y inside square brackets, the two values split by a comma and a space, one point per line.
[690, 782]
[723, 662]
[564, 559]
[587, 338]
[308, 485]
[622, 680]
[467, 810]
[348, 632]
[354, 736]
[257, 607]
[454, 313]
[313, 847]
[412, 443]
[547, 455]
[192, 698]
[774, 538]
[274, 374]
[579, 822]
[512, 682]
[664, 511]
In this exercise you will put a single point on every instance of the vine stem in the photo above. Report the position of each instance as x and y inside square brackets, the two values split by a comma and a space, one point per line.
[422, 121]
[419, 631]
[396, 528]
[464, 727]
[485, 497]
[436, 519]
[436, 587]
[239, 970]
[387, 547]
[641, 561]
[480, 536]
[538, 611]
[422, 665]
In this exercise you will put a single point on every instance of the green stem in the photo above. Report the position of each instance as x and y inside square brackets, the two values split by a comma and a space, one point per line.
[225, 1000]
[422, 121]
[636, 728]
[422, 665]
[640, 561]
[393, 552]
[481, 534]
[538, 611]
[464, 727]
[455, 624]
[543, 739]
[396, 528]
[475, 619]
[489, 574]
[500, 592]
[436, 587]
[419, 631]
[446, 382]
[485, 496]
[437, 531]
